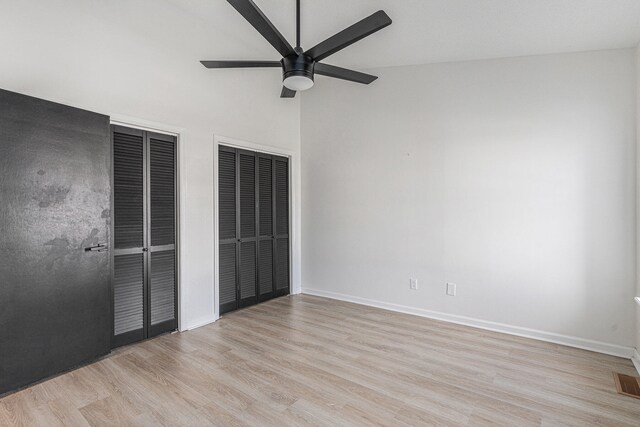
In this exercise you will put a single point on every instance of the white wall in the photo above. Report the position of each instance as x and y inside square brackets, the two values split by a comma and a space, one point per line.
[140, 60]
[513, 178]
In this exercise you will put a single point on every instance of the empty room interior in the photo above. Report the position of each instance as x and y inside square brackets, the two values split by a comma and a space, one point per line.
[319, 212]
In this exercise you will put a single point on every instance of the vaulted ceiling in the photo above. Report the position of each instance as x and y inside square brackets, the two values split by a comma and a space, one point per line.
[430, 31]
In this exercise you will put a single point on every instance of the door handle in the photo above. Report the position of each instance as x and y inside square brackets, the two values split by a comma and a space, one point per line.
[100, 247]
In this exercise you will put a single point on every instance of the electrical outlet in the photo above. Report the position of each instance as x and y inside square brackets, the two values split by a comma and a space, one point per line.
[451, 289]
[413, 284]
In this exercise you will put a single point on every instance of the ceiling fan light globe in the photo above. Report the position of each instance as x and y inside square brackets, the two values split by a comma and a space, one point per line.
[298, 83]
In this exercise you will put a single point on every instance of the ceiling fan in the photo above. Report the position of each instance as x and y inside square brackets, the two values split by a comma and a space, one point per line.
[299, 66]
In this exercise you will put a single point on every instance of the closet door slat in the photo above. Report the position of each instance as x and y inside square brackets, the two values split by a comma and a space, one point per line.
[265, 194]
[265, 265]
[282, 196]
[227, 275]
[128, 293]
[128, 184]
[282, 265]
[162, 286]
[162, 170]
[247, 164]
[227, 195]
[247, 269]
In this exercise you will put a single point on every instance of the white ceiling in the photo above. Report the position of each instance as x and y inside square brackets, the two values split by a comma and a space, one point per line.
[429, 31]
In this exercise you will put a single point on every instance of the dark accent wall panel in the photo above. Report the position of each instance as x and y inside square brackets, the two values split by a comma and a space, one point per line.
[162, 286]
[162, 167]
[227, 273]
[128, 182]
[55, 202]
[227, 195]
[265, 195]
[128, 293]
[282, 196]
[247, 164]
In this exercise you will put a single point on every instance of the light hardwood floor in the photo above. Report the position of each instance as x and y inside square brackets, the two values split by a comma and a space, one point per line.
[305, 360]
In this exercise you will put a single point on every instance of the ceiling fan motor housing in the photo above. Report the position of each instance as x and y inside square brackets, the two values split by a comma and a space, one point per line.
[297, 64]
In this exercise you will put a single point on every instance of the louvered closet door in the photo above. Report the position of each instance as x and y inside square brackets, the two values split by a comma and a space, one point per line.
[144, 277]
[248, 250]
[281, 207]
[266, 242]
[129, 213]
[227, 229]
[253, 211]
[162, 233]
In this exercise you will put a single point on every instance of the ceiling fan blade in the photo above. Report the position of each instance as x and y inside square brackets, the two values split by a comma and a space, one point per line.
[343, 73]
[350, 35]
[260, 22]
[287, 93]
[241, 64]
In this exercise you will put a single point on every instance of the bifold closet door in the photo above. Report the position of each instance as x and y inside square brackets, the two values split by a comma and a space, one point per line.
[129, 211]
[248, 242]
[227, 230]
[253, 192]
[266, 242]
[281, 235]
[144, 267]
[162, 298]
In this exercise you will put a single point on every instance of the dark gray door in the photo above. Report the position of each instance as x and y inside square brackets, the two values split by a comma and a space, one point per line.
[265, 226]
[129, 235]
[228, 229]
[55, 194]
[247, 248]
[162, 284]
[281, 220]
[253, 206]
[144, 273]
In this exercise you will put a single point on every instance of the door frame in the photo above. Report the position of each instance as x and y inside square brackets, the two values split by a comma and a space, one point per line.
[294, 212]
[178, 133]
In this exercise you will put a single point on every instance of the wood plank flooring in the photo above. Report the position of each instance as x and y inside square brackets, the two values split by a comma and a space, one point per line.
[305, 360]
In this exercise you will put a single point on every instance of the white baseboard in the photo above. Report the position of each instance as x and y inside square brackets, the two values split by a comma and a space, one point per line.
[201, 323]
[585, 344]
[636, 360]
